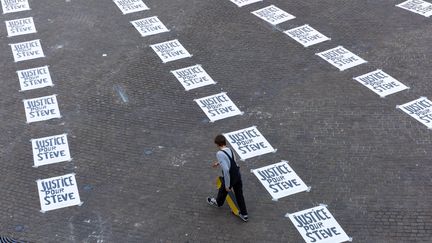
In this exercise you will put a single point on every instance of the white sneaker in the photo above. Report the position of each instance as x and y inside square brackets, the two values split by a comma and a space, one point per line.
[212, 201]
[245, 217]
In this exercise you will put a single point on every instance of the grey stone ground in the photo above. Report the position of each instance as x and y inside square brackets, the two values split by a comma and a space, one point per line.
[143, 166]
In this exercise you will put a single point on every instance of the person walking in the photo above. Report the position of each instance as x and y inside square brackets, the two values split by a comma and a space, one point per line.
[231, 178]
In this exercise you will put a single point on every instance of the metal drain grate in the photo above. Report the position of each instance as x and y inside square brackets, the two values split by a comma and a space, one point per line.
[4, 239]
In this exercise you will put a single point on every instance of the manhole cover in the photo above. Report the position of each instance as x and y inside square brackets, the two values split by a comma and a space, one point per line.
[4, 239]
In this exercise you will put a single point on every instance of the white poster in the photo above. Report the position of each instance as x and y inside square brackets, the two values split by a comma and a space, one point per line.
[12, 6]
[318, 225]
[417, 6]
[149, 26]
[218, 106]
[242, 3]
[341, 58]
[27, 50]
[34, 78]
[193, 77]
[420, 109]
[306, 35]
[280, 180]
[381, 83]
[170, 51]
[248, 143]
[41, 109]
[20, 26]
[50, 150]
[131, 6]
[58, 192]
[273, 15]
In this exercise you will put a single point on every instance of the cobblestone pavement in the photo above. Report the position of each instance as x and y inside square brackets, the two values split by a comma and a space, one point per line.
[142, 148]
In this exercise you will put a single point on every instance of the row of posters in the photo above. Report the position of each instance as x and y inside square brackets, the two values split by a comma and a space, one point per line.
[57, 192]
[280, 180]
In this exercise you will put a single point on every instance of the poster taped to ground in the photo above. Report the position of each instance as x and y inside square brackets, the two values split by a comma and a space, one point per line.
[20, 26]
[50, 150]
[280, 180]
[417, 6]
[381, 83]
[58, 192]
[273, 15]
[41, 109]
[241, 3]
[27, 50]
[341, 58]
[218, 106]
[248, 143]
[317, 225]
[34, 78]
[131, 6]
[149, 26]
[12, 6]
[306, 35]
[170, 51]
[193, 77]
[420, 109]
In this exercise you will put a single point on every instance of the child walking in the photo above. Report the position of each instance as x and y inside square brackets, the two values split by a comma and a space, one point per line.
[231, 178]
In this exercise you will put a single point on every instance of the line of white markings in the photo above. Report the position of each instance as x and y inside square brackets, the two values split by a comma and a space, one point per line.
[315, 224]
[56, 192]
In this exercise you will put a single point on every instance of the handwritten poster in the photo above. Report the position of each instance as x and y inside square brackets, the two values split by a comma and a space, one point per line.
[34, 78]
[27, 50]
[20, 26]
[280, 180]
[273, 15]
[248, 143]
[341, 58]
[12, 6]
[42, 108]
[170, 51]
[381, 83]
[149, 26]
[419, 109]
[131, 6]
[317, 225]
[218, 106]
[50, 150]
[193, 77]
[306, 35]
[58, 192]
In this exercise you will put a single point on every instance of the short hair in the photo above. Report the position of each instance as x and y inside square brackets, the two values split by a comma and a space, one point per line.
[220, 140]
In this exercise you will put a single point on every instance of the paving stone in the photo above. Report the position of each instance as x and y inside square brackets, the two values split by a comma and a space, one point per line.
[142, 148]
